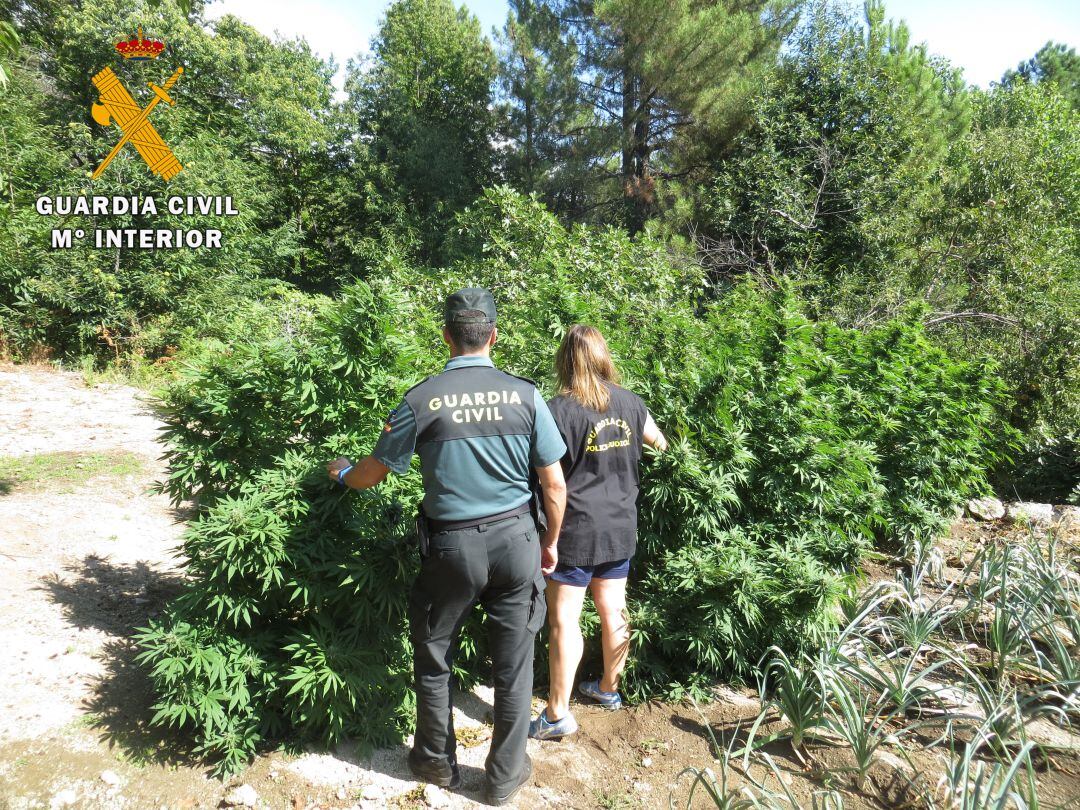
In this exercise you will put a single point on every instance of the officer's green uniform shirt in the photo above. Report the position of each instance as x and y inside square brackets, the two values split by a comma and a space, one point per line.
[474, 476]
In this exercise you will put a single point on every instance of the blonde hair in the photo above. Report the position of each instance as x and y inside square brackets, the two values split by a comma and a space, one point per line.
[583, 364]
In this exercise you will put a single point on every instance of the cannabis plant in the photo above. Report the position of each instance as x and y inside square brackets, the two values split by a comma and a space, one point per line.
[796, 446]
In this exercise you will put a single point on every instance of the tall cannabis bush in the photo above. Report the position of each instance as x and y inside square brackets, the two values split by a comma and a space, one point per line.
[795, 446]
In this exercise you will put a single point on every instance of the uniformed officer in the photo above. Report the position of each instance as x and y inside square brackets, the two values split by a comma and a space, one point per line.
[479, 433]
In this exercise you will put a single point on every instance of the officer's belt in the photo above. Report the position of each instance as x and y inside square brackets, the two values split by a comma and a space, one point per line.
[473, 523]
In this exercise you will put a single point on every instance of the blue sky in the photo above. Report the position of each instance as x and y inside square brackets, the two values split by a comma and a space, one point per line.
[984, 38]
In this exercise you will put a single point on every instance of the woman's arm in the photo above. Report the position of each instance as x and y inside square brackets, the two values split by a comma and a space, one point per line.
[652, 435]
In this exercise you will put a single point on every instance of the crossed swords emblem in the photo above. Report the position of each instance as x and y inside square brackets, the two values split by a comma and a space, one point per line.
[117, 105]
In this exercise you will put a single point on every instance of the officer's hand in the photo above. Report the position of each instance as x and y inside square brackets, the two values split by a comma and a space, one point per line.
[549, 558]
[336, 466]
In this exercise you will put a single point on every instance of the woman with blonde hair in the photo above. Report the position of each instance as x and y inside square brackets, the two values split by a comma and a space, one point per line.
[604, 427]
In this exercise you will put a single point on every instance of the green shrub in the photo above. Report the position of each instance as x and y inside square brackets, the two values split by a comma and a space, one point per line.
[795, 445]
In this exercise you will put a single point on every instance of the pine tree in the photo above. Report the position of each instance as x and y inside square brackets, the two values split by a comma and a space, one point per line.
[1055, 63]
[933, 91]
[648, 70]
[541, 108]
[831, 180]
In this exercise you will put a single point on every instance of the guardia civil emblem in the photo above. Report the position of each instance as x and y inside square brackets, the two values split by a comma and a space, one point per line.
[116, 106]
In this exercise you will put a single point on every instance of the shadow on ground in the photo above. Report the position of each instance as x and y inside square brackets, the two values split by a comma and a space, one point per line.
[118, 598]
[474, 707]
[109, 596]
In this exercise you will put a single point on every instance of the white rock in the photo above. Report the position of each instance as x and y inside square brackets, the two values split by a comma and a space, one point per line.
[65, 798]
[891, 760]
[435, 796]
[110, 778]
[1043, 732]
[986, 508]
[342, 794]
[242, 796]
[646, 762]
[326, 770]
[958, 698]
[1037, 514]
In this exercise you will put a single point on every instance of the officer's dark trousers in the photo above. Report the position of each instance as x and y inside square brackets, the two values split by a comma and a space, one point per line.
[497, 564]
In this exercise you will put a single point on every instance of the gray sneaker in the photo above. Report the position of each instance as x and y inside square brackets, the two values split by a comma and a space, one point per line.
[609, 700]
[543, 729]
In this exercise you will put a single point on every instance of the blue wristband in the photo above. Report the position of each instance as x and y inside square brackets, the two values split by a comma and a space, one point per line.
[342, 473]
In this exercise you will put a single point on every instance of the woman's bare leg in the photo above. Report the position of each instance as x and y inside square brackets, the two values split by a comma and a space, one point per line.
[609, 596]
[566, 645]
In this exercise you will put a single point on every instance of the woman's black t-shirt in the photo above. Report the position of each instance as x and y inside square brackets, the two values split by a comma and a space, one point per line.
[603, 452]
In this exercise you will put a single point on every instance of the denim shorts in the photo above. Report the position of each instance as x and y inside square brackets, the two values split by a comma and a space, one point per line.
[582, 576]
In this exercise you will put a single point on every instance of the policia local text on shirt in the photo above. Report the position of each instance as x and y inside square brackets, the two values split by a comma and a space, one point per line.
[480, 433]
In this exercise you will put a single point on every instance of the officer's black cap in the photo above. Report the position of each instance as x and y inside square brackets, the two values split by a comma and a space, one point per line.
[476, 299]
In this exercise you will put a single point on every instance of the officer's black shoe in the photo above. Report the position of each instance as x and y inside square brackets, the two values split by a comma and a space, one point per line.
[437, 773]
[503, 795]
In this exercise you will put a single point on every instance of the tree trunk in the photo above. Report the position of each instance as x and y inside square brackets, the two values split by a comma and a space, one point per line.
[637, 186]
[530, 154]
[629, 135]
[643, 191]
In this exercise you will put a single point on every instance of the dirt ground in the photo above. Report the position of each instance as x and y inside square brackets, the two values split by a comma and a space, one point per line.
[84, 559]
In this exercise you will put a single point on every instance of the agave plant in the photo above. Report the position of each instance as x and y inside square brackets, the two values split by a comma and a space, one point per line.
[863, 615]
[799, 693]
[1008, 638]
[928, 565]
[1059, 667]
[1002, 580]
[900, 680]
[720, 790]
[915, 626]
[982, 576]
[754, 793]
[1001, 717]
[972, 784]
[1057, 589]
[864, 724]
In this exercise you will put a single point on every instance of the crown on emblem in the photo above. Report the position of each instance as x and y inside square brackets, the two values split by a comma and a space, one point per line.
[139, 48]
